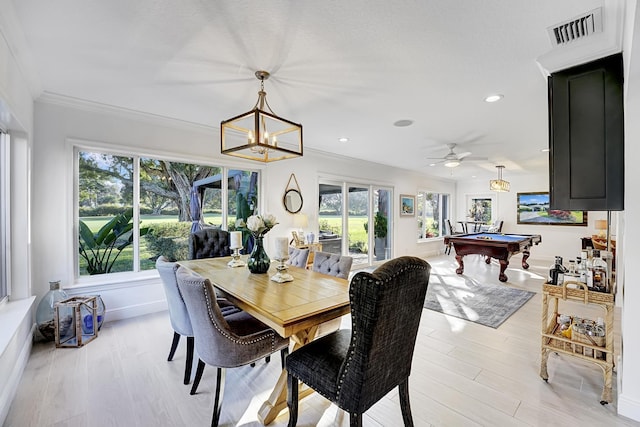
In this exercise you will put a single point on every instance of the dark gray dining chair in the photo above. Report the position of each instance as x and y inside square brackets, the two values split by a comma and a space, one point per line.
[209, 243]
[451, 232]
[332, 264]
[224, 341]
[178, 314]
[356, 368]
[298, 257]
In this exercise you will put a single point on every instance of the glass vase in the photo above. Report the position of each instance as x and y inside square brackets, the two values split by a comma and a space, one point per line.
[44, 313]
[258, 261]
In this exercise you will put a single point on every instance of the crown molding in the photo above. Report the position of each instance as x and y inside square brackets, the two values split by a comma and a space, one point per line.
[121, 112]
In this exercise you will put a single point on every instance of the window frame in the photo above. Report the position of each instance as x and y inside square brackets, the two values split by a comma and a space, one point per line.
[5, 220]
[123, 279]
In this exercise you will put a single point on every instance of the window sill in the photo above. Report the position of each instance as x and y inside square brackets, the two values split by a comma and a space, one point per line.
[105, 282]
[12, 313]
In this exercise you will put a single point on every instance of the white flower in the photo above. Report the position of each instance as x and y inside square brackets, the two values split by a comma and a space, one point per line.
[258, 225]
[269, 220]
[255, 223]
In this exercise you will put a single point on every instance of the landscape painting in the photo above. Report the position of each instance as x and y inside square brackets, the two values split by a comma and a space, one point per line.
[533, 208]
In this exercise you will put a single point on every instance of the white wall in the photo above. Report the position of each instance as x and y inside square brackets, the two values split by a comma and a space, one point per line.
[629, 370]
[16, 117]
[60, 123]
[563, 240]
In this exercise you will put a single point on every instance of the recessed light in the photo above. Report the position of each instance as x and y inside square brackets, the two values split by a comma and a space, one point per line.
[545, 150]
[493, 98]
[343, 139]
[403, 123]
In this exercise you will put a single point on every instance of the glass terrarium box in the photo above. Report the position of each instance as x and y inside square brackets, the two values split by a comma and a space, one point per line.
[76, 321]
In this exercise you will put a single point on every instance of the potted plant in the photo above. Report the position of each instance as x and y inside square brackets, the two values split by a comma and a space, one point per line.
[380, 224]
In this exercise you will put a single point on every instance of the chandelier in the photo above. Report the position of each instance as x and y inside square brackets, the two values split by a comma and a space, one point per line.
[260, 134]
[499, 184]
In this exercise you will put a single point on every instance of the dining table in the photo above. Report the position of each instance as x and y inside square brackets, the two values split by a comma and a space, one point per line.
[296, 309]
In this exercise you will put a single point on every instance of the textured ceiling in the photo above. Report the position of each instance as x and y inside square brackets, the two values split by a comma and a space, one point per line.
[341, 68]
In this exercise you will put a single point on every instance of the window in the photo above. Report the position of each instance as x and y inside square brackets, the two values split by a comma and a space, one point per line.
[4, 216]
[480, 209]
[132, 209]
[432, 209]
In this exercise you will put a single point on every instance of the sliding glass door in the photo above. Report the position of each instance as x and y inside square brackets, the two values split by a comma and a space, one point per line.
[346, 212]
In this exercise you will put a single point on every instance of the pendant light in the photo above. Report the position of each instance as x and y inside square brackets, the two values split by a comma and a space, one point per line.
[260, 134]
[499, 184]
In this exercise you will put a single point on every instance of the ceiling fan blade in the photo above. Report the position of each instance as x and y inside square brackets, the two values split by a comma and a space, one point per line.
[476, 158]
[463, 155]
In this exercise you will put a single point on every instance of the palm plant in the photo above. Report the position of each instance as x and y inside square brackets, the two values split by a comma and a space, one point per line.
[101, 249]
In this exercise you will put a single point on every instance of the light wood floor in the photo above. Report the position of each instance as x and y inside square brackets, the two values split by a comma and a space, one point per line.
[463, 374]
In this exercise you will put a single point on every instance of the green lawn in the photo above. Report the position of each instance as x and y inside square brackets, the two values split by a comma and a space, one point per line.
[357, 236]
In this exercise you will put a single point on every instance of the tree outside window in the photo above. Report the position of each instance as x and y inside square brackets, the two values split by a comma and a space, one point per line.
[119, 233]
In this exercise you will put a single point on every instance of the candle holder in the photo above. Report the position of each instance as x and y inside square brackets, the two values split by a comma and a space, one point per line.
[282, 275]
[236, 261]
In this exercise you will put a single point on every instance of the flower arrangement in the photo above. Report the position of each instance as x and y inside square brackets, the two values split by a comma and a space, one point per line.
[257, 225]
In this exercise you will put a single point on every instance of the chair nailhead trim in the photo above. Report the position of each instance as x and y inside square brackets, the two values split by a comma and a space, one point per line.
[224, 333]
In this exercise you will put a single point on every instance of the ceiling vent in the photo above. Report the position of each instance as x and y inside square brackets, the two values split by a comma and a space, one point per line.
[577, 28]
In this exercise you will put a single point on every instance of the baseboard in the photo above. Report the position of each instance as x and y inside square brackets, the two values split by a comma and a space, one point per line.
[135, 310]
[628, 407]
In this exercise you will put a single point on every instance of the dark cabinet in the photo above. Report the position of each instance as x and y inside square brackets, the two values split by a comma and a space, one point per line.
[586, 136]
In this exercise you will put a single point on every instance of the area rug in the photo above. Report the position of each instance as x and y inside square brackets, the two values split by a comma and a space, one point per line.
[486, 304]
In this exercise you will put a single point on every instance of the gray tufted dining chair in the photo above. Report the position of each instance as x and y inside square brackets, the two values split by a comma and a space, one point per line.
[332, 264]
[224, 341]
[298, 257]
[356, 368]
[178, 314]
[209, 243]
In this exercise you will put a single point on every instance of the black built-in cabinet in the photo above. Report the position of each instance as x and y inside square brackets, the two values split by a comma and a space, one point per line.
[586, 136]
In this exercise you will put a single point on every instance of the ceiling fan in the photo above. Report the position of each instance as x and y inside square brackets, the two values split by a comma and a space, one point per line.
[453, 159]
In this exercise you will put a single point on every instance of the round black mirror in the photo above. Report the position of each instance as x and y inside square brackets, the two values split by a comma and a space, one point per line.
[292, 201]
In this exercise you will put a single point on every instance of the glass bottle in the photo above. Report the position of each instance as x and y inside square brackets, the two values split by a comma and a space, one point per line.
[600, 274]
[556, 272]
[589, 269]
[44, 313]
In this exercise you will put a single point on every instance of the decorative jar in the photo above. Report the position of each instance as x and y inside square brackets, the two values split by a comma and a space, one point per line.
[44, 313]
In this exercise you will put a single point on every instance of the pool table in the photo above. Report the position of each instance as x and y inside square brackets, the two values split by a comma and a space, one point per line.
[493, 245]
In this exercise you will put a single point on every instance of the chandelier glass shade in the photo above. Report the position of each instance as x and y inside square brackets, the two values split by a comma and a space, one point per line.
[499, 184]
[260, 134]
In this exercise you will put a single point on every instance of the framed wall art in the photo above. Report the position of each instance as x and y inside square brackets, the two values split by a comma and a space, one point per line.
[407, 205]
[533, 208]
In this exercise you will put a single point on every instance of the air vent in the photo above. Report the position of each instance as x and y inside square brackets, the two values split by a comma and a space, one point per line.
[577, 28]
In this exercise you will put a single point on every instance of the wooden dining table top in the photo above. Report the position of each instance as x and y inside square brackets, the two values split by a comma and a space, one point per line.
[289, 308]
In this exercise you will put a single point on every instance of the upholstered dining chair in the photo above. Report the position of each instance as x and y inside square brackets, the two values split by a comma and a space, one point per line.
[356, 368]
[224, 341]
[298, 257]
[332, 264]
[209, 243]
[178, 314]
[451, 232]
